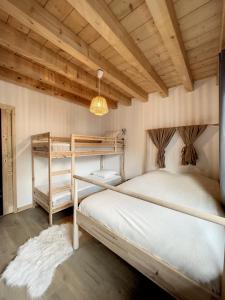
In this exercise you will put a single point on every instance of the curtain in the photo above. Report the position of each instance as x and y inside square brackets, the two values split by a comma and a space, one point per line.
[161, 138]
[189, 135]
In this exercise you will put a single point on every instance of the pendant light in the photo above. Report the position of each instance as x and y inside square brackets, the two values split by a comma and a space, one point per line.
[99, 105]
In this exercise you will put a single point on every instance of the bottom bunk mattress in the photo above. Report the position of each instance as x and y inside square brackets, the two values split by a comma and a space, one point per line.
[84, 189]
[194, 247]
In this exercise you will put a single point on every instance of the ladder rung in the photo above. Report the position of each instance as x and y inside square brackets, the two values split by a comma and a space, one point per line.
[61, 172]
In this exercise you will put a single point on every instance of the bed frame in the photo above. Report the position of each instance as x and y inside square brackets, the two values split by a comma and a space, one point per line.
[163, 274]
[79, 146]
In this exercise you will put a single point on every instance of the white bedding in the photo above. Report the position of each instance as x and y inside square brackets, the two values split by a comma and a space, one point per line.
[84, 188]
[65, 147]
[193, 246]
[60, 147]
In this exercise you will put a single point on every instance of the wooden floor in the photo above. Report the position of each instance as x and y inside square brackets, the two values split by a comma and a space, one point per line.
[93, 272]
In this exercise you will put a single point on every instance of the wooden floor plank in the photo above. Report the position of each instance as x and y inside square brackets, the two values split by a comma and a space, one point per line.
[93, 272]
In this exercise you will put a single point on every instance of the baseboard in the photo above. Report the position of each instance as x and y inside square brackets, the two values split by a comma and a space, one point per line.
[24, 207]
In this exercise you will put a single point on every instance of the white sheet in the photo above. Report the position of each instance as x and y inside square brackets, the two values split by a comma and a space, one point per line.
[193, 246]
[65, 147]
[84, 188]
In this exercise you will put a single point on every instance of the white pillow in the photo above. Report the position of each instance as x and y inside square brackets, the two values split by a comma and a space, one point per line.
[104, 173]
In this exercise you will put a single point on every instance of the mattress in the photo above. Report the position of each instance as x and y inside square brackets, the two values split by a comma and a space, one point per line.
[84, 189]
[60, 147]
[65, 147]
[193, 246]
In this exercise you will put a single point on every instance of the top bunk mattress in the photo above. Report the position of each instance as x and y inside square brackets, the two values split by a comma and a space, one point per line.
[60, 147]
[193, 246]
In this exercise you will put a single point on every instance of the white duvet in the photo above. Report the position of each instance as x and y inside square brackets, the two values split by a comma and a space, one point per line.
[193, 246]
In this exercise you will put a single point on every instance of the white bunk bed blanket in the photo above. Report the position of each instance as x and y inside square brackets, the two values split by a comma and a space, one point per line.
[84, 188]
[193, 246]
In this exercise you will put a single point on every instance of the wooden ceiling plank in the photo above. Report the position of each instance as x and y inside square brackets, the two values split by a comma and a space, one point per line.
[165, 19]
[121, 9]
[99, 15]
[204, 38]
[59, 8]
[75, 22]
[200, 15]
[31, 14]
[184, 7]
[202, 28]
[18, 79]
[136, 18]
[34, 71]
[222, 30]
[13, 39]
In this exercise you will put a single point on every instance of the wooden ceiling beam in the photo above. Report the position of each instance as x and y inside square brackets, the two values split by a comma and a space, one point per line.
[99, 15]
[164, 16]
[34, 71]
[19, 79]
[222, 30]
[34, 16]
[13, 39]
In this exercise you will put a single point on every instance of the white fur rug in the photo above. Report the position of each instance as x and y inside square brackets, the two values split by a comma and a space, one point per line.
[37, 260]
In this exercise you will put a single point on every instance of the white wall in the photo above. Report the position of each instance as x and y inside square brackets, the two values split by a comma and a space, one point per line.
[36, 113]
[181, 108]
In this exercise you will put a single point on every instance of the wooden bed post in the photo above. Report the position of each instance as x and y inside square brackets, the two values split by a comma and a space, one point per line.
[33, 174]
[50, 178]
[122, 171]
[122, 162]
[101, 162]
[75, 196]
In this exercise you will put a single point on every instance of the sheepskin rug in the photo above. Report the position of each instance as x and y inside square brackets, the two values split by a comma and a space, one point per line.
[37, 260]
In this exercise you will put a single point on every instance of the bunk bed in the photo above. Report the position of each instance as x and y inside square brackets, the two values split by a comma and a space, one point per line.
[55, 197]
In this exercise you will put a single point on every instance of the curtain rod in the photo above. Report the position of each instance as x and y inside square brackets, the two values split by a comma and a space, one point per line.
[214, 124]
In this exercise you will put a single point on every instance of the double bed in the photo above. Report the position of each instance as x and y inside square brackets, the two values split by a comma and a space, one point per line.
[181, 253]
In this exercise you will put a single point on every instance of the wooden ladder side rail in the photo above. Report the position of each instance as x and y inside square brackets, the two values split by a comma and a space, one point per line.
[176, 207]
[36, 137]
[50, 179]
[74, 193]
[33, 173]
[72, 149]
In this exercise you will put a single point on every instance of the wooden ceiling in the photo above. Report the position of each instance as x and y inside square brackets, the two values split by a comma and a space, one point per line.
[143, 46]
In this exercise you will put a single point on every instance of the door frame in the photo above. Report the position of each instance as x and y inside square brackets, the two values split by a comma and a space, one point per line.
[12, 109]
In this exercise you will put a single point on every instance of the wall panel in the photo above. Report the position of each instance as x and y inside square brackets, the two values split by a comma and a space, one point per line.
[200, 106]
[36, 113]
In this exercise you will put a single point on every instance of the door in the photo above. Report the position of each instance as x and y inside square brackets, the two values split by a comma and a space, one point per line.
[222, 124]
[7, 160]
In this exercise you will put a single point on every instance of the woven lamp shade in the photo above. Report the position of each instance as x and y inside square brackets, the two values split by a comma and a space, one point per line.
[99, 106]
